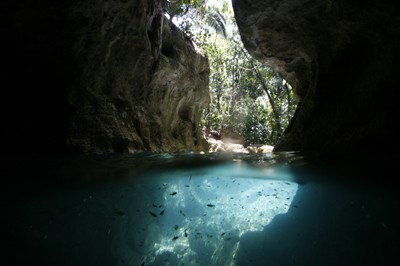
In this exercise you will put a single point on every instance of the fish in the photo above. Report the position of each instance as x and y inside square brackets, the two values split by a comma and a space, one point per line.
[153, 214]
[154, 205]
[176, 227]
[181, 212]
[173, 193]
[119, 212]
[383, 224]
[175, 237]
[162, 212]
[210, 205]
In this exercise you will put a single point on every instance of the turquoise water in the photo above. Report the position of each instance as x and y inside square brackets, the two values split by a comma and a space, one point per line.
[192, 209]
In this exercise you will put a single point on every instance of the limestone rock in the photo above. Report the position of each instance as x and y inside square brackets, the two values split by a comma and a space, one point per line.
[228, 135]
[341, 58]
[146, 79]
[101, 76]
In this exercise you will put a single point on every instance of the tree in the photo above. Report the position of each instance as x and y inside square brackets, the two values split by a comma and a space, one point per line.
[180, 7]
[253, 99]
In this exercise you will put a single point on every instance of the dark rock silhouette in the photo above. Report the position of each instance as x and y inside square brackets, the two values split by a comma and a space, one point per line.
[341, 57]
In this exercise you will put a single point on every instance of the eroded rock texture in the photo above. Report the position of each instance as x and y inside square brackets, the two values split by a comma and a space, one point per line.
[341, 57]
[100, 76]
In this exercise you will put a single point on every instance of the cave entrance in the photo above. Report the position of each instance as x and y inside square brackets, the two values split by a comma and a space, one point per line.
[251, 104]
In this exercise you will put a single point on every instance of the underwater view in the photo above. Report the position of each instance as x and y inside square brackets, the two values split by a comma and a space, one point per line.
[200, 209]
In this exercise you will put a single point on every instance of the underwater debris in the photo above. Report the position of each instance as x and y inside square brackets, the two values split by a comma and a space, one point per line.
[210, 205]
[153, 214]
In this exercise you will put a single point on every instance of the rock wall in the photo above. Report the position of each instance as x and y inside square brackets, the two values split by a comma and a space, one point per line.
[341, 57]
[102, 76]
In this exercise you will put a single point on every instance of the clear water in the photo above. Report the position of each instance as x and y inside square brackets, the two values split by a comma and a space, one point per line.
[191, 209]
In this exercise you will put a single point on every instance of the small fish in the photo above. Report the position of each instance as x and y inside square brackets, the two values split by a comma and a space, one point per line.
[153, 214]
[173, 193]
[186, 234]
[162, 212]
[210, 205]
[119, 212]
[142, 264]
[223, 234]
[190, 178]
[383, 224]
[181, 212]
[176, 227]
[187, 186]
[154, 205]
[160, 206]
[175, 237]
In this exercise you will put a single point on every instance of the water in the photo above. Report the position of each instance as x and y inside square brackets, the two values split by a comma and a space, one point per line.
[192, 209]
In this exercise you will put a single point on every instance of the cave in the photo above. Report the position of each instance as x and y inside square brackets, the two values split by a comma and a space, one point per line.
[103, 161]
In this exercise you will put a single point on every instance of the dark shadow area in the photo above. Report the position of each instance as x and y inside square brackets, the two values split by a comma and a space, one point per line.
[346, 212]
[328, 226]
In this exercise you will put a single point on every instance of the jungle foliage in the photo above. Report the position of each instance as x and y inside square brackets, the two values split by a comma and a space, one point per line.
[247, 96]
